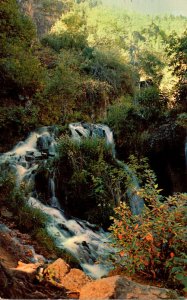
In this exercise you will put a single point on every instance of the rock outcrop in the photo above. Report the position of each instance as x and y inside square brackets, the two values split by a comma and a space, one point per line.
[43, 13]
[20, 284]
[34, 278]
[117, 287]
[60, 274]
[16, 248]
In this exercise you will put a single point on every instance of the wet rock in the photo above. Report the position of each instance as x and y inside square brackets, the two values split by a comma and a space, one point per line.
[85, 244]
[30, 153]
[118, 287]
[29, 158]
[51, 154]
[43, 143]
[38, 156]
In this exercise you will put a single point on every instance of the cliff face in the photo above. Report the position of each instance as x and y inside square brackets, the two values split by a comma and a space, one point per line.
[44, 13]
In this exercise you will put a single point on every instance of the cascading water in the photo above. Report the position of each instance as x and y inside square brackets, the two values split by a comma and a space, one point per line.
[78, 237]
[84, 130]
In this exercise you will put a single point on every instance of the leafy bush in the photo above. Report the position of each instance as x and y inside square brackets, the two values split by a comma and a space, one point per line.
[87, 174]
[182, 120]
[152, 103]
[18, 121]
[20, 70]
[13, 24]
[69, 32]
[152, 244]
[128, 124]
[109, 66]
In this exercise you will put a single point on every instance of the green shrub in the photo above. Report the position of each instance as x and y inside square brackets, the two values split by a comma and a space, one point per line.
[153, 244]
[87, 174]
[20, 70]
[182, 120]
[108, 66]
[152, 103]
[7, 183]
[127, 123]
[18, 121]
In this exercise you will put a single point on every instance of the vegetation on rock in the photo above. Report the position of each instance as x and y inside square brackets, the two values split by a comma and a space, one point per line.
[127, 70]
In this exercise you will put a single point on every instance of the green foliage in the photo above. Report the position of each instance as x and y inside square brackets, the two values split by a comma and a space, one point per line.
[152, 64]
[182, 120]
[88, 175]
[17, 121]
[92, 56]
[68, 33]
[178, 53]
[18, 118]
[109, 66]
[128, 124]
[14, 25]
[152, 103]
[19, 69]
[7, 182]
[152, 244]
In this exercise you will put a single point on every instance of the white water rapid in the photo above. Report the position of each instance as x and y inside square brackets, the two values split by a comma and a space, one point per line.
[83, 240]
[80, 238]
[85, 130]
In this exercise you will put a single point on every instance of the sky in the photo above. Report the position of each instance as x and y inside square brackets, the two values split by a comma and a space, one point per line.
[174, 7]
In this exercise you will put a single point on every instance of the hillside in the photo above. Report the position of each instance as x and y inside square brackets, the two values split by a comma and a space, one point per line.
[93, 121]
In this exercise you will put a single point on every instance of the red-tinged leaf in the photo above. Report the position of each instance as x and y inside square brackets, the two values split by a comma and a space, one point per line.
[122, 253]
[146, 263]
[136, 227]
[149, 237]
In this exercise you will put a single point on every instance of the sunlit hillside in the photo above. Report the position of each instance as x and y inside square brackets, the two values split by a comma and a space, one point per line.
[151, 6]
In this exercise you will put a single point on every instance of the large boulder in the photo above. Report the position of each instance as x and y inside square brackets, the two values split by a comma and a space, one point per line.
[60, 275]
[57, 270]
[75, 280]
[19, 283]
[117, 287]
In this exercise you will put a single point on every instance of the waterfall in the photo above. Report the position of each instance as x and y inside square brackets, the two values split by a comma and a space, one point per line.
[53, 199]
[136, 203]
[80, 238]
[85, 130]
